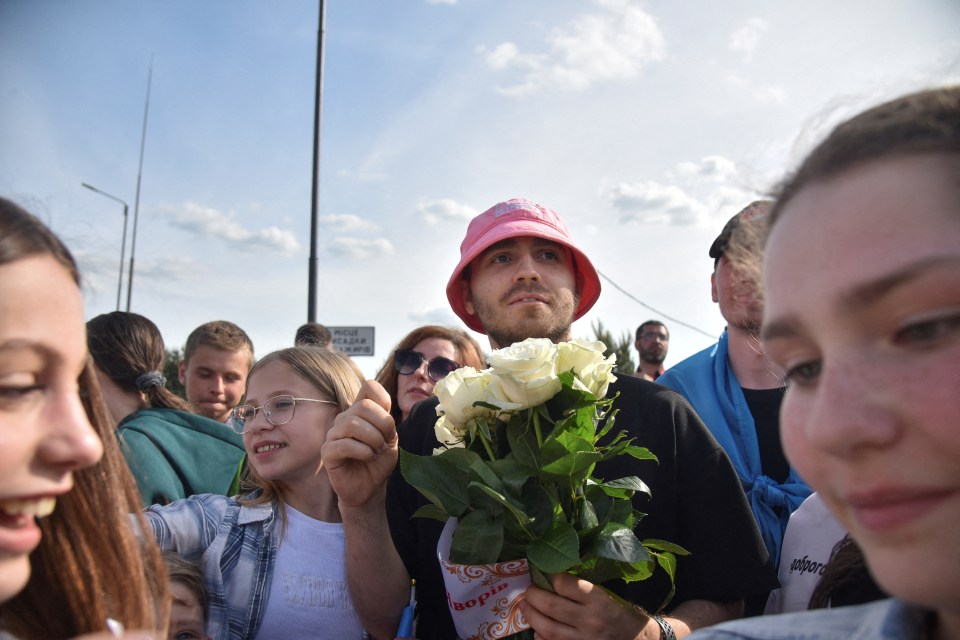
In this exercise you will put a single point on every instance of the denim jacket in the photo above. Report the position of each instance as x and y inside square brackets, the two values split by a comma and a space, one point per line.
[234, 545]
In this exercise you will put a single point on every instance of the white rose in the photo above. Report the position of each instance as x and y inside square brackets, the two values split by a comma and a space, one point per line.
[457, 392]
[596, 378]
[496, 395]
[446, 436]
[575, 355]
[527, 371]
[592, 372]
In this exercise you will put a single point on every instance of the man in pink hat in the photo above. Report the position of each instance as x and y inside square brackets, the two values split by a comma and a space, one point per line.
[521, 276]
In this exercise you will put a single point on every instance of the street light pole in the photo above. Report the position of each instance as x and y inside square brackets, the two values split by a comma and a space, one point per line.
[136, 202]
[315, 199]
[123, 241]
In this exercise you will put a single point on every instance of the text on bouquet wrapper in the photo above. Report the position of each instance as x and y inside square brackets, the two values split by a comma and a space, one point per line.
[478, 601]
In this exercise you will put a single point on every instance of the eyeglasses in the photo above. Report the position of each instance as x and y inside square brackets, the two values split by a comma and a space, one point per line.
[406, 361]
[277, 410]
[653, 335]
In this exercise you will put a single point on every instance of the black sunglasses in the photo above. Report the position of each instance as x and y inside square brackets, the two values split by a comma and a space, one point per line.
[406, 361]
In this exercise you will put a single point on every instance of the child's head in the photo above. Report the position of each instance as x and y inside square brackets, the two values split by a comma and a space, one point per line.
[188, 615]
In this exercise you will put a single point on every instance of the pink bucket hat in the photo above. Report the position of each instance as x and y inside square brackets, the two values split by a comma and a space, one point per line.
[513, 218]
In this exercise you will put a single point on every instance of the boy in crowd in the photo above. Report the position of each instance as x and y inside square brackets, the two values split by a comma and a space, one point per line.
[216, 359]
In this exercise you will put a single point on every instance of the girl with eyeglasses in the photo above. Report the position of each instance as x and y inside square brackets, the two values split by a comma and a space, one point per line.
[273, 559]
[420, 360]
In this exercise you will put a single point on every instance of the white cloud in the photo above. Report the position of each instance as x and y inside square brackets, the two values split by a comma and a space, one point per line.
[444, 209]
[652, 202]
[771, 95]
[360, 248]
[207, 222]
[716, 168]
[614, 44]
[450, 2]
[746, 39]
[347, 223]
[437, 315]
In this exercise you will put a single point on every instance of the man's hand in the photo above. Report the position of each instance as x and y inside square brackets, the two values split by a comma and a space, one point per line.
[361, 448]
[580, 609]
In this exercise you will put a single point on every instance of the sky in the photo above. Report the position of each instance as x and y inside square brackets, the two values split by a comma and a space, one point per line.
[645, 124]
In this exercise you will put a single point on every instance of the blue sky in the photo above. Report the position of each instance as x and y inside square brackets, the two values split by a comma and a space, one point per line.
[646, 125]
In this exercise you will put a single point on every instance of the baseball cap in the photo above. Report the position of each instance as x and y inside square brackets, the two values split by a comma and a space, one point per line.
[511, 219]
[752, 211]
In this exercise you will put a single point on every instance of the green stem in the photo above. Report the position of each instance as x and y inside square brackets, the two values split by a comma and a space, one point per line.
[486, 445]
[536, 427]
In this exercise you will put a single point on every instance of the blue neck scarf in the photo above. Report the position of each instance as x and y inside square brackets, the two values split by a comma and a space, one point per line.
[708, 382]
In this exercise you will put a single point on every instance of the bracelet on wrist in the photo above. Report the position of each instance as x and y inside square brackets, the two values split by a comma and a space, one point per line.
[666, 631]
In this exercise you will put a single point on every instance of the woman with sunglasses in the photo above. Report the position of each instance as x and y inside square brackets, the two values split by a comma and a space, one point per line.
[420, 360]
[273, 559]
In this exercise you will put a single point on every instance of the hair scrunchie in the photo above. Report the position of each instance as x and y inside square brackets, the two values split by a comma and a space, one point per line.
[150, 379]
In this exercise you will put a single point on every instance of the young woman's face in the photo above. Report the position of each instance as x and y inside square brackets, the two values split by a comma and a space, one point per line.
[290, 452]
[862, 277]
[44, 431]
[417, 386]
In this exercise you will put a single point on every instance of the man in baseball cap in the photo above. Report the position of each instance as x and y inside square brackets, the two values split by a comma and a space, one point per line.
[736, 389]
[520, 276]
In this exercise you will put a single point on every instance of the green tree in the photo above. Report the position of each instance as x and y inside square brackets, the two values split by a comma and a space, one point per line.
[171, 371]
[623, 348]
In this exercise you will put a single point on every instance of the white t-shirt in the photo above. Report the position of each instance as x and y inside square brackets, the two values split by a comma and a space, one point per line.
[308, 595]
[808, 542]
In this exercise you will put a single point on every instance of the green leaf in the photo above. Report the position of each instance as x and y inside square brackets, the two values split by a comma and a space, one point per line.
[438, 478]
[571, 465]
[511, 509]
[523, 440]
[619, 543]
[625, 487]
[477, 539]
[557, 551]
[587, 515]
[538, 506]
[483, 498]
[431, 511]
[663, 545]
[640, 453]
[567, 455]
[538, 578]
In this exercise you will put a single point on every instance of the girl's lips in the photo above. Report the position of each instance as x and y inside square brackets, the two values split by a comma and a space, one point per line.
[886, 511]
[266, 448]
[19, 533]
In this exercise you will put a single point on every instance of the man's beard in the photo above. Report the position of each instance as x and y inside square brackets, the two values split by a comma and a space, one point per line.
[504, 332]
[653, 358]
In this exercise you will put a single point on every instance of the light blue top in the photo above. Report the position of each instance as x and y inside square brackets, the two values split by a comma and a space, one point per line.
[708, 382]
[889, 619]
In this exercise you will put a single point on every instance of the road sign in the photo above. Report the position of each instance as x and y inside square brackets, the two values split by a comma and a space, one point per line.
[353, 341]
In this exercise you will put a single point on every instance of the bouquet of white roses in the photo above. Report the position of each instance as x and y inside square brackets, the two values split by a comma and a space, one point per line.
[520, 442]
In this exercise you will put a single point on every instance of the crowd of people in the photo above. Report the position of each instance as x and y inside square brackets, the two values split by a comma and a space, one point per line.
[806, 461]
